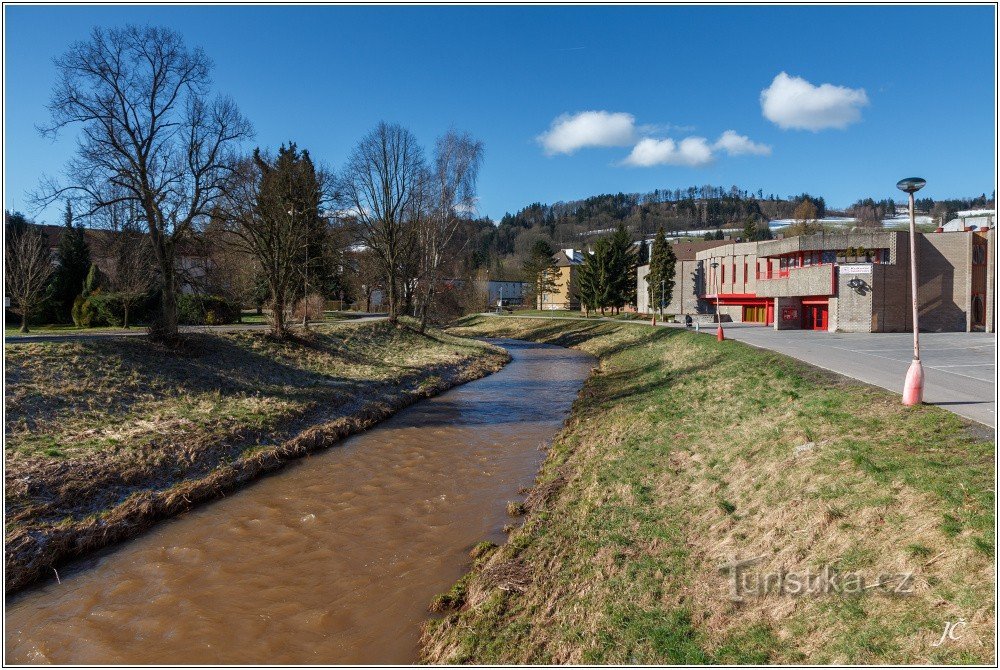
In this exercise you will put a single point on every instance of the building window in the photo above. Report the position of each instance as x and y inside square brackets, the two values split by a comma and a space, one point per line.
[978, 254]
[746, 271]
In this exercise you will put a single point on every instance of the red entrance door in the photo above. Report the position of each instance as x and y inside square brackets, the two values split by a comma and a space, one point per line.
[814, 317]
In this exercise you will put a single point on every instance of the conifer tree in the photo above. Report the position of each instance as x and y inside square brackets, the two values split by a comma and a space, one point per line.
[620, 266]
[662, 262]
[72, 265]
[540, 269]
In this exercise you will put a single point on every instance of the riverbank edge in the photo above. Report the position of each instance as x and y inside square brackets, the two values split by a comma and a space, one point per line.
[36, 556]
[502, 568]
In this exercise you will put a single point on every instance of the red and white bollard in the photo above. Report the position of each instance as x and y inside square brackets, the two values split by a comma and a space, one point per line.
[913, 387]
[719, 334]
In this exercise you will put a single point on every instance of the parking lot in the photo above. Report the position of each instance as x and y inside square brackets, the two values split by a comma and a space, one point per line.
[959, 368]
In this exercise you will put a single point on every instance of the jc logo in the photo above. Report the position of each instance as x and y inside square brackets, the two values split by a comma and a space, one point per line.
[950, 632]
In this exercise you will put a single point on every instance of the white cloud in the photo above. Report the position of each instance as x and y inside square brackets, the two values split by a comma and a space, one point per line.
[735, 144]
[793, 102]
[691, 151]
[570, 132]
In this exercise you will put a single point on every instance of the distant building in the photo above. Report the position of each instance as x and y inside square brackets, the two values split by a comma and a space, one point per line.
[684, 298]
[191, 259]
[510, 292]
[973, 219]
[566, 295]
[853, 282]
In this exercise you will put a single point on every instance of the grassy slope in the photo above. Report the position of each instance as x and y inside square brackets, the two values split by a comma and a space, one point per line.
[100, 431]
[680, 457]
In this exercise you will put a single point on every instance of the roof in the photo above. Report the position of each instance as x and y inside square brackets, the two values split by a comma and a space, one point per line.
[686, 251]
[567, 257]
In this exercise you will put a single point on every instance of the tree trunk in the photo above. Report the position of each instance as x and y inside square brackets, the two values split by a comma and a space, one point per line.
[24, 321]
[168, 316]
[392, 300]
[125, 308]
[277, 313]
[423, 316]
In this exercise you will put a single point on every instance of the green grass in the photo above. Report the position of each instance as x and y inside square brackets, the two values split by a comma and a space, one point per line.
[574, 314]
[679, 457]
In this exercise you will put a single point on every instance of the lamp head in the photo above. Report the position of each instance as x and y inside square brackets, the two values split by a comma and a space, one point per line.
[911, 184]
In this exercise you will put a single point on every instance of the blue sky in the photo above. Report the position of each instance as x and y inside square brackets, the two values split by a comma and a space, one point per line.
[911, 91]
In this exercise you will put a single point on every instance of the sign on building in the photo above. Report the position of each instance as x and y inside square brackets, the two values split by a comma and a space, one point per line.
[856, 269]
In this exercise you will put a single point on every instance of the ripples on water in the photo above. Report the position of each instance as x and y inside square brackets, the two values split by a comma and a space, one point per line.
[332, 560]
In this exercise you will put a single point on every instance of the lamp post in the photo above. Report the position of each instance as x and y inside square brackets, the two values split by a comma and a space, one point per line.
[913, 387]
[719, 334]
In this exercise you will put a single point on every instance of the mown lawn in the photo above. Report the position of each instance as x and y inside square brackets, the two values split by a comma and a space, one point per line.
[683, 455]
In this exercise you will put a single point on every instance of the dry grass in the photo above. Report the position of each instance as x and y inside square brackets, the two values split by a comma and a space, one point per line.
[683, 455]
[104, 437]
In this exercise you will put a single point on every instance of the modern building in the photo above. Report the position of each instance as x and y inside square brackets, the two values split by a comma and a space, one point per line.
[684, 298]
[565, 294]
[852, 281]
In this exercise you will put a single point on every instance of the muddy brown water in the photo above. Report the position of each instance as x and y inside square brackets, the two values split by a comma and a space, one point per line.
[333, 559]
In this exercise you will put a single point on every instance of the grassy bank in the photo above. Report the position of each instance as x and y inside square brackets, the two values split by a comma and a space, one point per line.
[683, 455]
[103, 437]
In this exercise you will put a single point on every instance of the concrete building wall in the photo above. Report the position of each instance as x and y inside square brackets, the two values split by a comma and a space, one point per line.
[641, 294]
[851, 309]
[816, 280]
[944, 287]
[683, 299]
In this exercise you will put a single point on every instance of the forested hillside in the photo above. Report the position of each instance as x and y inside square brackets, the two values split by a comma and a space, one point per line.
[579, 222]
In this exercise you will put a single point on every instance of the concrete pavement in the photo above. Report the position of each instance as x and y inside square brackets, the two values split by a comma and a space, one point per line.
[959, 368]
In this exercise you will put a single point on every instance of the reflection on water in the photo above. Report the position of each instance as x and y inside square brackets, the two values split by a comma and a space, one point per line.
[332, 560]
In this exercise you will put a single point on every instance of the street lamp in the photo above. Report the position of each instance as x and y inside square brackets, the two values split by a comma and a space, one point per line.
[913, 387]
[719, 335]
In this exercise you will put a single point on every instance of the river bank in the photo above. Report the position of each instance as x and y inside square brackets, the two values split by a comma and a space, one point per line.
[105, 437]
[684, 456]
[331, 560]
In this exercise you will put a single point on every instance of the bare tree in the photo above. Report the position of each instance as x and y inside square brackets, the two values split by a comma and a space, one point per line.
[27, 267]
[133, 271]
[867, 217]
[378, 187]
[451, 186]
[150, 131]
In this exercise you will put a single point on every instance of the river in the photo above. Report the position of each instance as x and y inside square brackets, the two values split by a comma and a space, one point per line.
[331, 560]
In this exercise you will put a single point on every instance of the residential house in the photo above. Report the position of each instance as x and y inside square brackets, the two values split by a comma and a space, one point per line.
[566, 295]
